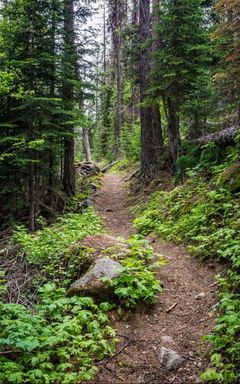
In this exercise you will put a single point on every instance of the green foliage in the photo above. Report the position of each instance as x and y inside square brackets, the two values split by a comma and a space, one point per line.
[188, 158]
[56, 341]
[56, 249]
[121, 166]
[225, 340]
[181, 63]
[138, 284]
[130, 140]
[207, 218]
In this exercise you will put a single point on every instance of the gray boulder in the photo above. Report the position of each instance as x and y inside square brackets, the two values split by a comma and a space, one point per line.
[91, 282]
[170, 359]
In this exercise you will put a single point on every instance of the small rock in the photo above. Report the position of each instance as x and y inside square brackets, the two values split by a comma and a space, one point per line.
[170, 359]
[109, 210]
[199, 364]
[91, 282]
[167, 339]
[197, 380]
[200, 296]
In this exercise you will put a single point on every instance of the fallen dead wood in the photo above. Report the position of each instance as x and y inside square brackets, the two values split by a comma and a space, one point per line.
[87, 169]
[4, 252]
[172, 307]
[109, 166]
[127, 344]
[223, 138]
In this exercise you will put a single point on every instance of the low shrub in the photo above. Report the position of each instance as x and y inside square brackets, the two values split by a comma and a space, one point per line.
[207, 218]
[54, 342]
[138, 284]
[56, 250]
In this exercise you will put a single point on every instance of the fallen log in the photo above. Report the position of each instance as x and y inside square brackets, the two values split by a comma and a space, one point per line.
[87, 169]
[223, 138]
[109, 166]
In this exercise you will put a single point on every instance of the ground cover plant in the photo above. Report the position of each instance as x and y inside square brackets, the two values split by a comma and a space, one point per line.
[138, 284]
[58, 339]
[205, 215]
[56, 250]
[54, 342]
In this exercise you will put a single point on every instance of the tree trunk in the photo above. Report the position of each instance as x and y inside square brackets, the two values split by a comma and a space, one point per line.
[31, 176]
[104, 42]
[157, 125]
[69, 70]
[86, 146]
[173, 128]
[52, 95]
[135, 63]
[149, 135]
[117, 45]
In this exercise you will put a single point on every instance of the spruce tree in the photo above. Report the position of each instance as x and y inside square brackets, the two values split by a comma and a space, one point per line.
[182, 59]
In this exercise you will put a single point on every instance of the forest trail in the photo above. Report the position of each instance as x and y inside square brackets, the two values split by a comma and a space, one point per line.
[141, 333]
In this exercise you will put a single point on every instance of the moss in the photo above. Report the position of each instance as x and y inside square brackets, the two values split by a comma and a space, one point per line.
[230, 178]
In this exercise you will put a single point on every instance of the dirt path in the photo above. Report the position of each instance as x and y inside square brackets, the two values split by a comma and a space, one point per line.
[141, 334]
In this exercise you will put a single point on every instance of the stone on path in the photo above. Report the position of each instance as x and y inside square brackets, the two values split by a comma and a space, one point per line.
[91, 282]
[200, 296]
[170, 359]
[167, 339]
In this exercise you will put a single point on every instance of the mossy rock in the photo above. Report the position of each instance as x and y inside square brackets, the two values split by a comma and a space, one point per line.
[230, 178]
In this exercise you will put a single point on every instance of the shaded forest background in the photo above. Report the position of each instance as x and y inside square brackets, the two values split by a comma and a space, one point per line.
[161, 75]
[156, 89]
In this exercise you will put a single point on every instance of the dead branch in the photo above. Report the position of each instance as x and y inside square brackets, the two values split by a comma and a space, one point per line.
[172, 307]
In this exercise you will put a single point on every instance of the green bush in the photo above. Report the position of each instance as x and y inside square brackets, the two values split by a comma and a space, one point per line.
[138, 283]
[56, 250]
[207, 219]
[225, 339]
[56, 341]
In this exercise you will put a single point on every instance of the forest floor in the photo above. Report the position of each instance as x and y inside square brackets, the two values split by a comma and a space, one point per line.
[143, 333]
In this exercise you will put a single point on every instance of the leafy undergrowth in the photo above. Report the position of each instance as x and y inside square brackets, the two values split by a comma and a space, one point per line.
[138, 284]
[57, 250]
[58, 339]
[122, 166]
[207, 218]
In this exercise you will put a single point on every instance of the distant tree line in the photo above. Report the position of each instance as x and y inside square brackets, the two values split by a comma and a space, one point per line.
[172, 74]
[166, 71]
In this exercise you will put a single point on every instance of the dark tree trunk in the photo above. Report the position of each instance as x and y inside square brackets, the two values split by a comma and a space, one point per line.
[117, 20]
[69, 70]
[31, 176]
[86, 146]
[157, 125]
[135, 63]
[52, 94]
[32, 204]
[194, 129]
[150, 138]
[104, 42]
[173, 128]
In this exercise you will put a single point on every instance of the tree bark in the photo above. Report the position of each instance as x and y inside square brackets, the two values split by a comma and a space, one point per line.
[118, 8]
[51, 159]
[157, 124]
[69, 64]
[173, 128]
[149, 134]
[86, 146]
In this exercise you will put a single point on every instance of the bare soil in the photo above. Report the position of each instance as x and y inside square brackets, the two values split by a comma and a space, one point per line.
[178, 313]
